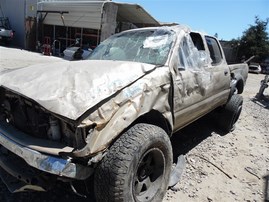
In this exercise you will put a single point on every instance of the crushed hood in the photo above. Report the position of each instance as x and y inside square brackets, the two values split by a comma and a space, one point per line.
[71, 88]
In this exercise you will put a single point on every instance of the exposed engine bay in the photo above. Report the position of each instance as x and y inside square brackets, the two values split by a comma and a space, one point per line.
[33, 120]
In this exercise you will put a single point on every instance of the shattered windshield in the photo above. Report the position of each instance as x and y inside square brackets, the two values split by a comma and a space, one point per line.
[146, 46]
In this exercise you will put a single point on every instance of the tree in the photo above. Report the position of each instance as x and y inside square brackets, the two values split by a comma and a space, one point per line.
[255, 41]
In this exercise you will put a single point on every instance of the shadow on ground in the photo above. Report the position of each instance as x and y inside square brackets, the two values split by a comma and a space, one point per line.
[189, 137]
[266, 191]
[61, 192]
[262, 101]
[182, 141]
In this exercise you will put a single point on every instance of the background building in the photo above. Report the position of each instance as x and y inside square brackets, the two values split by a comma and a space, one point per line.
[60, 23]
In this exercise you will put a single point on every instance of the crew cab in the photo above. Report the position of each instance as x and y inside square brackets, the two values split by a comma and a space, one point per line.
[112, 116]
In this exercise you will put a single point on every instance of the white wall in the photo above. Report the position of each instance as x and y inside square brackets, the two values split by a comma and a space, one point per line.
[81, 14]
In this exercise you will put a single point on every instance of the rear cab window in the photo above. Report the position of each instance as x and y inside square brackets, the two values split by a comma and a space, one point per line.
[214, 50]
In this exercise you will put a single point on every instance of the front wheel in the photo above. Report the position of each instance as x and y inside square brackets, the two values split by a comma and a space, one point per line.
[137, 166]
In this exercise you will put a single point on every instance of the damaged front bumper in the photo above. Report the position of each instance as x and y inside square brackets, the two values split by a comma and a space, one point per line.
[51, 164]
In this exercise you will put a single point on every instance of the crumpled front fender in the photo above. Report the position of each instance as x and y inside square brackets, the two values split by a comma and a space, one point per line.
[149, 93]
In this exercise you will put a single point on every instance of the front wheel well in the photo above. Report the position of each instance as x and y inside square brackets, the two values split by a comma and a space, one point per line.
[154, 117]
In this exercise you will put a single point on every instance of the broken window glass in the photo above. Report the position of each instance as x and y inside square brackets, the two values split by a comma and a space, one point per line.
[146, 46]
[190, 57]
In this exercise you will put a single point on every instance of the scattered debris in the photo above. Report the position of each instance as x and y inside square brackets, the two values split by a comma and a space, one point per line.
[203, 158]
[250, 170]
[177, 171]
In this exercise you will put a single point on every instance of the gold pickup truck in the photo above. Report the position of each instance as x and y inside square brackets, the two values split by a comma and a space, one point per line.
[112, 116]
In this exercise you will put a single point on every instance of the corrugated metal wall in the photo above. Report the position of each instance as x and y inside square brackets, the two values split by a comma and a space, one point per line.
[19, 10]
[81, 14]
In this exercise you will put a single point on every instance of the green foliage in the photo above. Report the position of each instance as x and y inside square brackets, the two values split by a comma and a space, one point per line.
[255, 41]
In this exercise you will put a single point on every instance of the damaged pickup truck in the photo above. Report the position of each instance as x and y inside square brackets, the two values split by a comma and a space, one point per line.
[112, 116]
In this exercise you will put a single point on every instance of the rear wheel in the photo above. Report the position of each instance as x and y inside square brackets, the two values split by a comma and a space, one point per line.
[230, 113]
[137, 166]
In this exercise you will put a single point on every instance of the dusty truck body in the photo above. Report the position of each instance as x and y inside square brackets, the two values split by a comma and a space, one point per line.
[113, 115]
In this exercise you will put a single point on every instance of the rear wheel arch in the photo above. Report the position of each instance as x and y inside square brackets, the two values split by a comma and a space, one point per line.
[240, 86]
[237, 86]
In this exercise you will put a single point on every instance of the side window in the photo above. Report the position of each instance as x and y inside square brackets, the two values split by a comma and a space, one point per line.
[190, 57]
[197, 41]
[214, 49]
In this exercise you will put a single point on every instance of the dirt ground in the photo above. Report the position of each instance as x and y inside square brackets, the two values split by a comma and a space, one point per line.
[242, 155]
[219, 167]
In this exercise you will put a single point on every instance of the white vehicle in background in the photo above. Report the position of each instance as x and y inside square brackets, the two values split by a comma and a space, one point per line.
[254, 68]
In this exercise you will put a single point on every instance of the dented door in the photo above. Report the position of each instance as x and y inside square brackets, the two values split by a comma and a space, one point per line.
[201, 83]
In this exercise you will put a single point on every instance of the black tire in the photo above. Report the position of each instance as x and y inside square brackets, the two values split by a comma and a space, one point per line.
[137, 166]
[230, 113]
